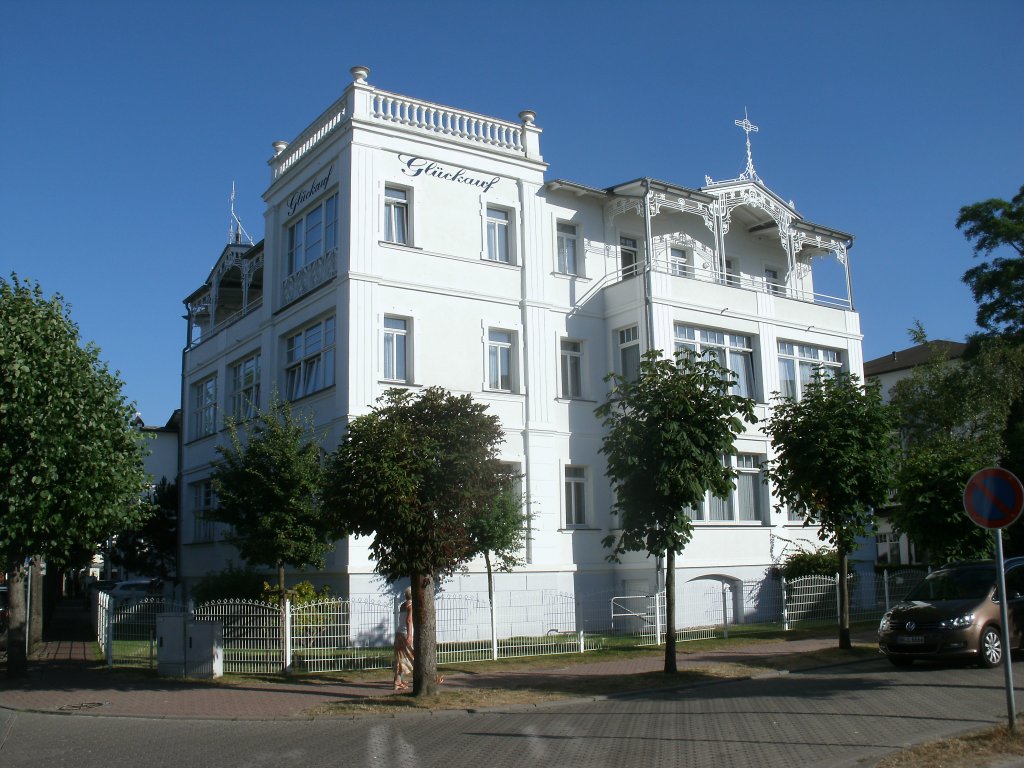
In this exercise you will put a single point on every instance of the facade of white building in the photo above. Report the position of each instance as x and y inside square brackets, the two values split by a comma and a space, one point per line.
[412, 244]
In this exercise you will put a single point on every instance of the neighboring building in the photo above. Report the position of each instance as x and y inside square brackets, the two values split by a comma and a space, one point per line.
[894, 548]
[411, 244]
[163, 444]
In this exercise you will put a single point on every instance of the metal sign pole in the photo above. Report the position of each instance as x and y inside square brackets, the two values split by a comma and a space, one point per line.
[1011, 711]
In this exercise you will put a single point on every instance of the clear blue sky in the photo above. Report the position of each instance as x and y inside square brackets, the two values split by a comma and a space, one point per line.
[125, 122]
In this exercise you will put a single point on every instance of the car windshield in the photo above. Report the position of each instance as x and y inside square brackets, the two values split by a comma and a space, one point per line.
[955, 584]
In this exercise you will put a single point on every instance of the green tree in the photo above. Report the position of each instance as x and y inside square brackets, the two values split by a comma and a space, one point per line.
[268, 485]
[152, 548]
[70, 461]
[668, 430]
[500, 534]
[997, 285]
[953, 417]
[412, 474]
[835, 454]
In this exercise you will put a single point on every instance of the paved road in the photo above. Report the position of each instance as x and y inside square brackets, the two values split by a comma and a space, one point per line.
[828, 718]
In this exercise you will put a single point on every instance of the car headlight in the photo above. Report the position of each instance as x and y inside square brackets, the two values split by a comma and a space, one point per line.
[883, 625]
[960, 622]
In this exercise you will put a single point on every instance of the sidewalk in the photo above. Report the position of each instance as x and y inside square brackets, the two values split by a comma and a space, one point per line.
[66, 678]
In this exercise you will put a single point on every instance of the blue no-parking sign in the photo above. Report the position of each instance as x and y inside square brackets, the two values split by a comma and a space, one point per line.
[993, 497]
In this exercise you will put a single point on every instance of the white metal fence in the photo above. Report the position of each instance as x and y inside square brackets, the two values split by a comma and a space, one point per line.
[337, 634]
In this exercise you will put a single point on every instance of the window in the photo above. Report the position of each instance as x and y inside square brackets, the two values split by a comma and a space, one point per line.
[203, 502]
[396, 215]
[629, 353]
[679, 262]
[798, 363]
[732, 274]
[745, 502]
[888, 548]
[732, 351]
[396, 358]
[627, 256]
[500, 360]
[245, 388]
[497, 235]
[310, 360]
[567, 259]
[772, 282]
[572, 368]
[313, 235]
[204, 407]
[575, 496]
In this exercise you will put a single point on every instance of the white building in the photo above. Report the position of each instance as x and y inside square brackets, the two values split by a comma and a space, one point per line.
[413, 244]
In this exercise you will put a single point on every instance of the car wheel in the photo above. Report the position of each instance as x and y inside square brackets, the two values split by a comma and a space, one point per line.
[900, 661]
[991, 647]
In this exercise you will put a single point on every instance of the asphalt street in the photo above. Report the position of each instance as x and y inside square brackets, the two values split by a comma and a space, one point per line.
[850, 715]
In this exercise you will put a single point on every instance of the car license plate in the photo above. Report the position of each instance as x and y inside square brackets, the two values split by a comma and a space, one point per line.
[910, 639]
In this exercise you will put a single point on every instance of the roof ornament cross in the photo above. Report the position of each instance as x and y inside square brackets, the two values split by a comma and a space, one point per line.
[748, 127]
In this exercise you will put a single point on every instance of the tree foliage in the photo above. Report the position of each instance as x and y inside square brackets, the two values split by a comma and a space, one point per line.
[953, 418]
[152, 548]
[668, 430]
[823, 561]
[835, 455]
[71, 469]
[997, 285]
[413, 474]
[269, 491]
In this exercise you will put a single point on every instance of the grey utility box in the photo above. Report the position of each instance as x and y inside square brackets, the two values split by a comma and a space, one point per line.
[170, 644]
[204, 649]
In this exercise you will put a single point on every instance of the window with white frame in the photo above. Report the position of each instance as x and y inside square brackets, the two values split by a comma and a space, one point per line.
[744, 503]
[628, 256]
[497, 235]
[204, 407]
[501, 360]
[203, 502]
[572, 368]
[575, 496]
[568, 263]
[772, 281]
[733, 351]
[396, 215]
[313, 234]
[798, 364]
[629, 352]
[245, 388]
[309, 359]
[679, 262]
[888, 549]
[396, 349]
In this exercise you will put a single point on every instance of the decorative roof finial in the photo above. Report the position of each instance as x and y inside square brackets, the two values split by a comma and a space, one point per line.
[748, 127]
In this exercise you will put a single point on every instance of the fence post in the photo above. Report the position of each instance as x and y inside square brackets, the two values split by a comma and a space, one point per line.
[108, 621]
[286, 615]
[839, 607]
[583, 646]
[494, 630]
[725, 610]
[785, 605]
[657, 615]
[885, 582]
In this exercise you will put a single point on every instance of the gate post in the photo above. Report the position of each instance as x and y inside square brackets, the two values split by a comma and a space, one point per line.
[785, 605]
[725, 610]
[657, 616]
[108, 621]
[286, 616]
[885, 583]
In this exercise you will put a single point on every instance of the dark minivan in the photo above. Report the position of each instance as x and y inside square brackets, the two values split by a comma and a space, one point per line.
[954, 613]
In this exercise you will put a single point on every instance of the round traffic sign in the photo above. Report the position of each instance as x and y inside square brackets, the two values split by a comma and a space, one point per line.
[993, 497]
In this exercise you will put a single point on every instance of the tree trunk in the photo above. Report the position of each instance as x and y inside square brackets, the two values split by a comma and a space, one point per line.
[670, 612]
[844, 600]
[17, 661]
[424, 671]
[280, 581]
[490, 602]
[35, 607]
